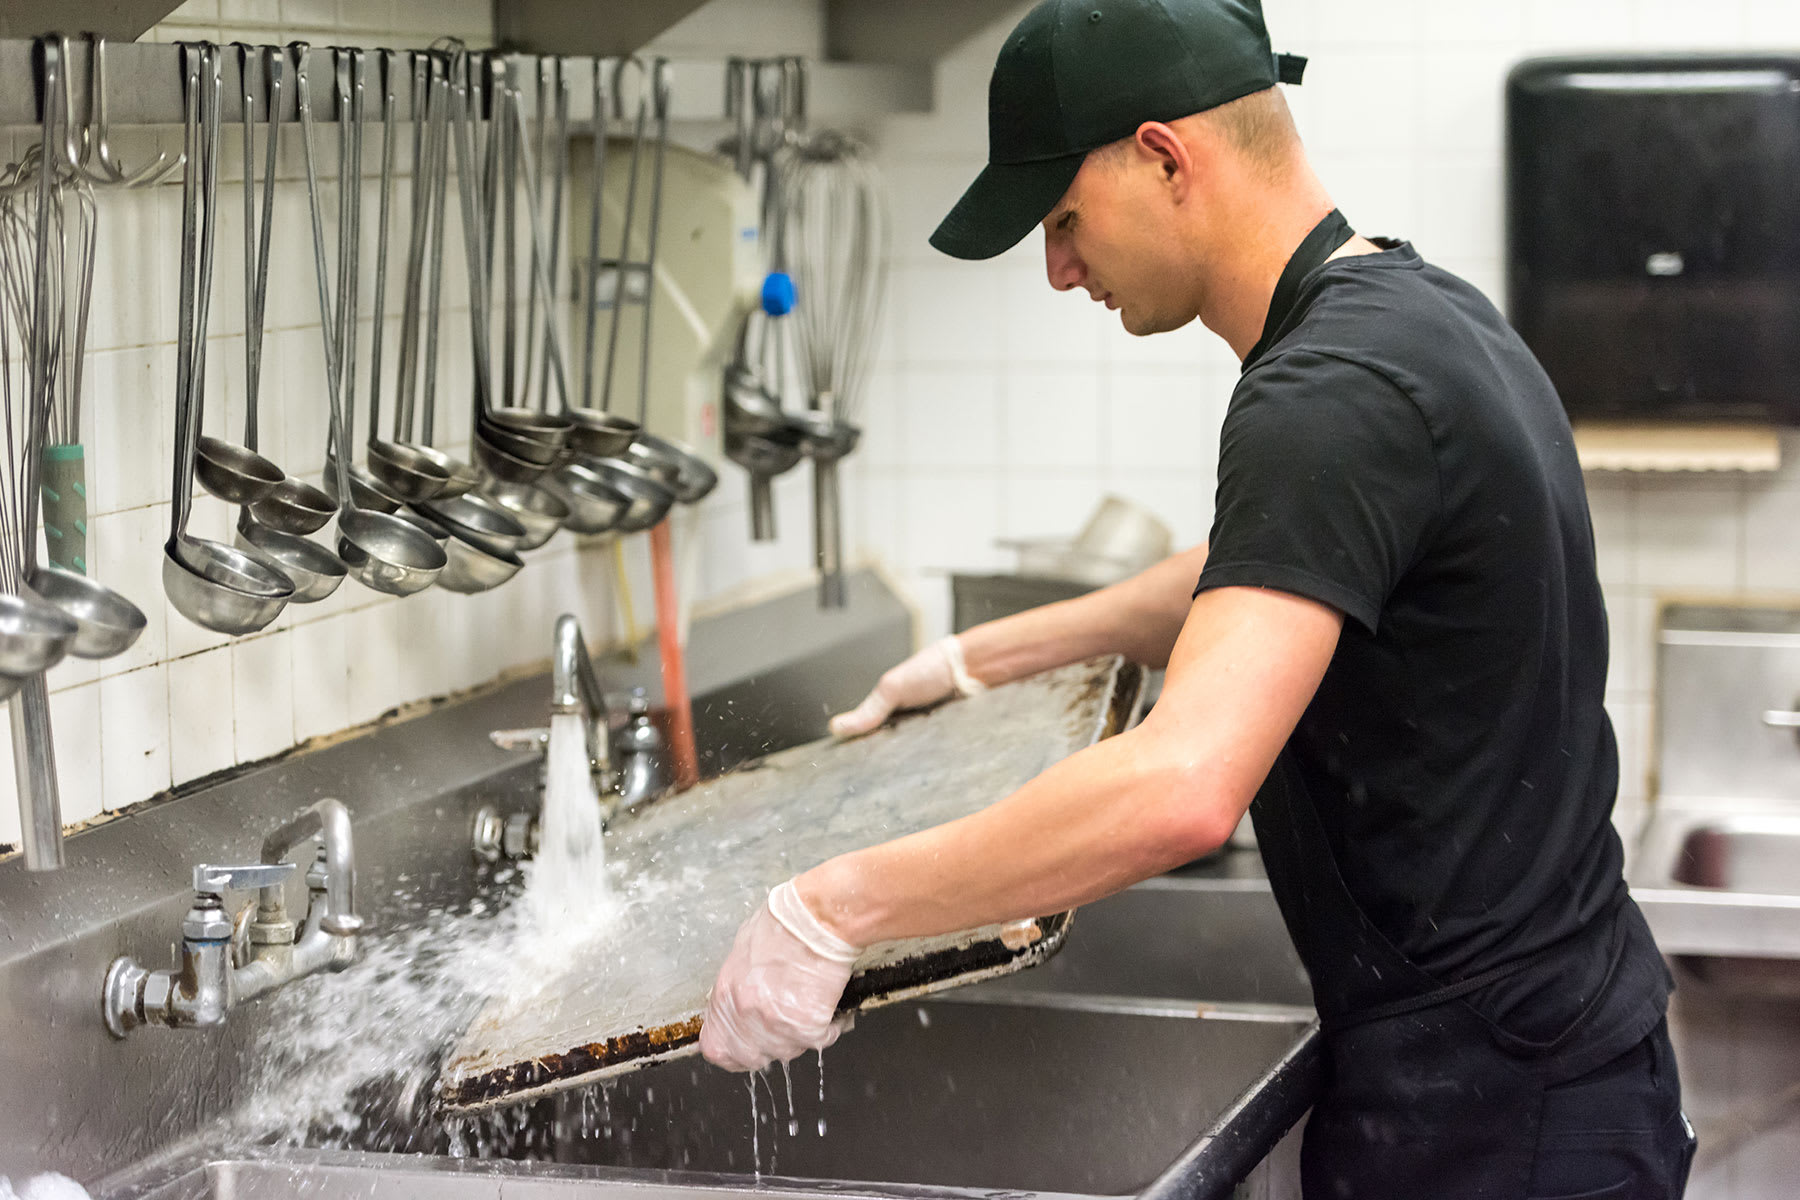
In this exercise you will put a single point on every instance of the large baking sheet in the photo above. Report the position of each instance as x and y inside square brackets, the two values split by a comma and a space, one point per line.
[636, 993]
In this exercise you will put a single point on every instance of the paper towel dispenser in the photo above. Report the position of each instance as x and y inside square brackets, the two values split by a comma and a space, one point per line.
[1653, 233]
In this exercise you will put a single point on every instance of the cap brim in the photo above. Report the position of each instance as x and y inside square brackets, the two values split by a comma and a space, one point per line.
[1003, 205]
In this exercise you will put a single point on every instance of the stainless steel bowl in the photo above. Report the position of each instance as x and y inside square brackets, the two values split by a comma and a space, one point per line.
[405, 473]
[296, 507]
[648, 499]
[33, 636]
[600, 434]
[386, 554]
[234, 474]
[475, 568]
[221, 588]
[691, 479]
[517, 443]
[541, 512]
[508, 467]
[594, 504]
[106, 623]
[475, 517]
[315, 571]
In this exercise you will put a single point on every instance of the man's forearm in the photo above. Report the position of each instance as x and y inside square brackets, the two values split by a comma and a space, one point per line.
[1117, 812]
[1139, 617]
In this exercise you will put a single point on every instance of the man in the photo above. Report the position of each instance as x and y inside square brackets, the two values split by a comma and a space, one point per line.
[1394, 654]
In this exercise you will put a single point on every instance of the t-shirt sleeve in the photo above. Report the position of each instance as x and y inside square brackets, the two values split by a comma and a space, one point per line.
[1328, 485]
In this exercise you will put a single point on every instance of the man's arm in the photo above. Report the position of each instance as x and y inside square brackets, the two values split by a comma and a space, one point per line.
[1244, 668]
[1140, 617]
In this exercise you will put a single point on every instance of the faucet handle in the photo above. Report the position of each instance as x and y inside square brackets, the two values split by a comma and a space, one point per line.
[214, 880]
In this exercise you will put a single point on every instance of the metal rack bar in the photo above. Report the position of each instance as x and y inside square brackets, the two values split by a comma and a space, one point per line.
[143, 87]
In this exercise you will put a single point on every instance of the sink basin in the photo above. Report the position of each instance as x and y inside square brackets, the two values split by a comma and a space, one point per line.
[1744, 854]
[970, 1090]
[1175, 937]
[342, 1175]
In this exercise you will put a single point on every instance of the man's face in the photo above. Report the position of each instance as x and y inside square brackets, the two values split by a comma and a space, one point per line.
[1103, 237]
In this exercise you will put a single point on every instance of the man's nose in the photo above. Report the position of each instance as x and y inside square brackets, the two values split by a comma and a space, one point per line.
[1062, 264]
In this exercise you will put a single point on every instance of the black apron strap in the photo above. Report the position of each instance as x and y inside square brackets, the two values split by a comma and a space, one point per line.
[1326, 239]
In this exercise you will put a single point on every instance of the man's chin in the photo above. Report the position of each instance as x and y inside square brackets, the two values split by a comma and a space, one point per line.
[1145, 325]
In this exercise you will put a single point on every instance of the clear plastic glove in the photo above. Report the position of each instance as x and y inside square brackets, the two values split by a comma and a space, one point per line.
[934, 673]
[776, 996]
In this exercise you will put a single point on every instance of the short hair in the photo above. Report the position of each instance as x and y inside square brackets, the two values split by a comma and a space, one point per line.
[1260, 126]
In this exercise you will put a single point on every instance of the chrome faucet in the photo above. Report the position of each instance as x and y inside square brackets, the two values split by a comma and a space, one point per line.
[226, 960]
[574, 688]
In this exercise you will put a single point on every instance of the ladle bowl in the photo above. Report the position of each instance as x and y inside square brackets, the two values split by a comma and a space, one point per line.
[594, 504]
[476, 518]
[366, 491]
[547, 427]
[387, 554]
[33, 637]
[222, 588]
[315, 571]
[296, 507]
[517, 443]
[600, 434]
[763, 455]
[648, 499]
[464, 477]
[433, 529]
[404, 473]
[540, 511]
[234, 474]
[510, 468]
[106, 623]
[692, 479]
[477, 568]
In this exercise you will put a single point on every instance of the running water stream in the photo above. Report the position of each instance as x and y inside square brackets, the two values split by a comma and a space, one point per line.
[356, 1058]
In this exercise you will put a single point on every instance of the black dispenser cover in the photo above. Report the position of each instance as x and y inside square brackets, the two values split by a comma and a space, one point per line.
[1653, 233]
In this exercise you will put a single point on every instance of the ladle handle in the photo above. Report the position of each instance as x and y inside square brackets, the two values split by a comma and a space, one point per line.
[406, 384]
[592, 308]
[620, 292]
[474, 241]
[322, 271]
[440, 160]
[388, 58]
[540, 282]
[659, 91]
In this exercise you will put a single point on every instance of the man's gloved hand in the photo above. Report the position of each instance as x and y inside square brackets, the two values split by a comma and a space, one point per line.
[932, 674]
[776, 996]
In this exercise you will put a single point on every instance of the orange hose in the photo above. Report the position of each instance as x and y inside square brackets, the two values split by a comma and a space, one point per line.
[674, 658]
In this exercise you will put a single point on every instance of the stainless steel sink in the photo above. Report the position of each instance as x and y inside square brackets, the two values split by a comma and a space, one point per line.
[1184, 937]
[1744, 854]
[346, 1175]
[1043, 1093]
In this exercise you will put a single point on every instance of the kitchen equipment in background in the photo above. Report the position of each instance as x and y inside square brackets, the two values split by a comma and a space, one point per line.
[836, 237]
[1717, 868]
[1653, 233]
[1119, 540]
[766, 99]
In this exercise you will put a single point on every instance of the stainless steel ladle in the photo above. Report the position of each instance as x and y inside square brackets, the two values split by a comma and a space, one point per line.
[209, 583]
[383, 552]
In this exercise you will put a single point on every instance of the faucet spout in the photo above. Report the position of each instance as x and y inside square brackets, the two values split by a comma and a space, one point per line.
[329, 821]
[574, 688]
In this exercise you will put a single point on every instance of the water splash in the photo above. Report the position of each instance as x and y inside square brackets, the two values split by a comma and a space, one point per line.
[566, 886]
[787, 1075]
[821, 1054]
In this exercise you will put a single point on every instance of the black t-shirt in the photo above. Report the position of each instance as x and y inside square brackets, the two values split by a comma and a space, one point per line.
[1395, 452]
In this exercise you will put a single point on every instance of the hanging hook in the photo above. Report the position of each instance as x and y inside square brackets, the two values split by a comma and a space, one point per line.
[96, 134]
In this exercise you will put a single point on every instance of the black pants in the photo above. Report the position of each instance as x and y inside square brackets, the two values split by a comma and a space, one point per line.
[1617, 1133]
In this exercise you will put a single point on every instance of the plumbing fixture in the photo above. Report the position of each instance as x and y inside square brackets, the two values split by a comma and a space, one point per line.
[643, 755]
[574, 688]
[226, 960]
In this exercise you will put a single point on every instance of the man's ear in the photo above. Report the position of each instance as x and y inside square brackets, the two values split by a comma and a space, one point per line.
[1165, 147]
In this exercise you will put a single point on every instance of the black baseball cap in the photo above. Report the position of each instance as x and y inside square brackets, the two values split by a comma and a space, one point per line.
[1079, 74]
